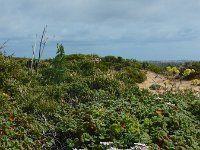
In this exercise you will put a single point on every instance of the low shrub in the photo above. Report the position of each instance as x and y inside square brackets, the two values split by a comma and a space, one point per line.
[85, 108]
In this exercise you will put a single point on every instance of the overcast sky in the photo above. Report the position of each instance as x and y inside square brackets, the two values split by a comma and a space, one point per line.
[139, 29]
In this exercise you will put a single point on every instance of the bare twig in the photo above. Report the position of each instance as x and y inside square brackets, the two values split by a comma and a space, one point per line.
[33, 63]
[43, 41]
[33, 57]
[44, 44]
[3, 45]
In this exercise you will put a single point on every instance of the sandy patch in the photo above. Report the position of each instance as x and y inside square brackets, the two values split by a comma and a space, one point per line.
[166, 84]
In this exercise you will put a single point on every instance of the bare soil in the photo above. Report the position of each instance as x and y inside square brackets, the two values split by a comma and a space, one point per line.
[166, 83]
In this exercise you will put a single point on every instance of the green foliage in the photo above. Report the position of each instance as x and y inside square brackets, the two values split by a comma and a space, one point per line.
[173, 70]
[18, 130]
[195, 82]
[55, 72]
[59, 60]
[112, 59]
[76, 102]
[188, 72]
[131, 75]
[87, 68]
[152, 67]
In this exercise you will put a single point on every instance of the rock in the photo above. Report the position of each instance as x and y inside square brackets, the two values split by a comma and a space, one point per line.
[155, 87]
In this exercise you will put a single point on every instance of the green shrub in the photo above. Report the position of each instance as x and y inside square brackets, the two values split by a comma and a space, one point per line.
[131, 75]
[74, 102]
[155, 68]
[55, 72]
[87, 68]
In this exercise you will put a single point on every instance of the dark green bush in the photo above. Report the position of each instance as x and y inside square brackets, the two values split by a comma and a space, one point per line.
[87, 68]
[55, 72]
[131, 75]
[155, 68]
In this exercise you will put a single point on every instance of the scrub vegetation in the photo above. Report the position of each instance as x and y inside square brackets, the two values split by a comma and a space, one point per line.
[81, 101]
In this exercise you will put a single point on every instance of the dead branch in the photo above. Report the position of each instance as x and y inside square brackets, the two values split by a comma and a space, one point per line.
[34, 63]
[33, 57]
[43, 41]
[3, 45]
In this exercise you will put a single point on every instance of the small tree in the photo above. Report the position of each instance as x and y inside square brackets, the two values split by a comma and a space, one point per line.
[55, 73]
[59, 60]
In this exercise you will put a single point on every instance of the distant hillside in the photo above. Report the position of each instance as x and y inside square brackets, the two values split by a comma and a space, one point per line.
[170, 62]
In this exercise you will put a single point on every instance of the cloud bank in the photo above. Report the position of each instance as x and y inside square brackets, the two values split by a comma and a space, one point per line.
[140, 29]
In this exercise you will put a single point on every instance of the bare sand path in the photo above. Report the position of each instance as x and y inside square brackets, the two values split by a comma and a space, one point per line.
[153, 78]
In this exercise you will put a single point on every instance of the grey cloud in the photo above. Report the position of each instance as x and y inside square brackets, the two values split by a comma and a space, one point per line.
[117, 24]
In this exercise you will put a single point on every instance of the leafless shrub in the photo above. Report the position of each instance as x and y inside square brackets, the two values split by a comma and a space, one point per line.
[34, 62]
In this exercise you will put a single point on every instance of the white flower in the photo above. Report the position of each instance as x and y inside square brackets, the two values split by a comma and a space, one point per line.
[158, 98]
[112, 148]
[139, 146]
[170, 104]
[106, 143]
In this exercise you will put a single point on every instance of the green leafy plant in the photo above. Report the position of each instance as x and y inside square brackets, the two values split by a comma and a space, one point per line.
[76, 102]
[188, 72]
[173, 70]
[55, 72]
[195, 82]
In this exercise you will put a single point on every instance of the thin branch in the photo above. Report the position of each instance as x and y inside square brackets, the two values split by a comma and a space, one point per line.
[33, 63]
[3, 45]
[33, 50]
[42, 43]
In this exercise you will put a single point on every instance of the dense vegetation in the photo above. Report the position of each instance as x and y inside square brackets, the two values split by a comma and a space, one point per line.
[80, 101]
